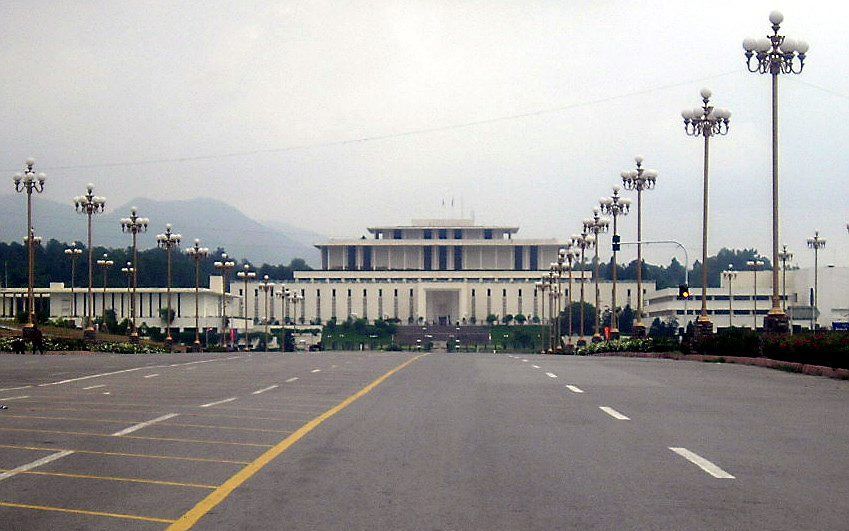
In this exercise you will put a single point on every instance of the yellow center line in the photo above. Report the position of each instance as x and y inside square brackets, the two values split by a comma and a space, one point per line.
[89, 434]
[125, 454]
[89, 513]
[117, 478]
[190, 518]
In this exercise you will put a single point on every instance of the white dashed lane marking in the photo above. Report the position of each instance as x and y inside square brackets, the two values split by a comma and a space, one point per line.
[269, 388]
[574, 389]
[151, 375]
[535, 366]
[14, 398]
[613, 413]
[292, 379]
[15, 388]
[316, 370]
[38, 462]
[145, 424]
[93, 387]
[702, 463]
[219, 402]
[551, 375]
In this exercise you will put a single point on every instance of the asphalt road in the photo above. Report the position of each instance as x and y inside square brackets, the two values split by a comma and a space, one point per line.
[386, 441]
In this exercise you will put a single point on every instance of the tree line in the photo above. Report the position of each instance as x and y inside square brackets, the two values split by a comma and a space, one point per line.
[53, 265]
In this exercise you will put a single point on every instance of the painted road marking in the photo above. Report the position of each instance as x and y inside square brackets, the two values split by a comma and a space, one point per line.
[151, 375]
[190, 518]
[551, 375]
[525, 361]
[14, 398]
[613, 413]
[93, 387]
[219, 402]
[145, 424]
[90, 434]
[123, 454]
[316, 370]
[107, 393]
[292, 379]
[38, 462]
[144, 368]
[269, 388]
[702, 463]
[90, 513]
[120, 478]
[535, 366]
[15, 388]
[574, 388]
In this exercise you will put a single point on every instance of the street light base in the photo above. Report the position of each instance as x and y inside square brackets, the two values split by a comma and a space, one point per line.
[704, 328]
[582, 343]
[28, 331]
[134, 337]
[89, 334]
[196, 346]
[639, 330]
[614, 334]
[597, 338]
[776, 322]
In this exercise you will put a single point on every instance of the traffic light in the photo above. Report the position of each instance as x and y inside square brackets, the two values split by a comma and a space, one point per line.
[616, 245]
[683, 291]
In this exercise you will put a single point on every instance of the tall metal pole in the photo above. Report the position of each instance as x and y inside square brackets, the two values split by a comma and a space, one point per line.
[30, 182]
[816, 243]
[775, 54]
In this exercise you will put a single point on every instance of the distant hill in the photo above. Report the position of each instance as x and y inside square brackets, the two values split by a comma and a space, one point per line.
[216, 223]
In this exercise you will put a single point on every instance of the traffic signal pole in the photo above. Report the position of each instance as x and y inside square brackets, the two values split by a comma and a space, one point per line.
[686, 260]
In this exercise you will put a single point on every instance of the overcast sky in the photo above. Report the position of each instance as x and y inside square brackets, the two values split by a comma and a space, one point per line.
[91, 89]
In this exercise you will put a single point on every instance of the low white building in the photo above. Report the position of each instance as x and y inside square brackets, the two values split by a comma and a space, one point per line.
[740, 302]
[150, 302]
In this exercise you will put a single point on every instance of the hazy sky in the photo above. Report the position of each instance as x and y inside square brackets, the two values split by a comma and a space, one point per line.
[92, 88]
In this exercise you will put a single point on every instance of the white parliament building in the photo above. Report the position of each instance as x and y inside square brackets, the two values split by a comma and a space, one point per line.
[441, 271]
[435, 271]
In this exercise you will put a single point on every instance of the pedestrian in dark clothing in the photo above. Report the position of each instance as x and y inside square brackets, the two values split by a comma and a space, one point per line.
[38, 341]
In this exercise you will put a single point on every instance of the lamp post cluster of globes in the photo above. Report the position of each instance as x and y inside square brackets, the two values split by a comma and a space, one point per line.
[773, 54]
[89, 204]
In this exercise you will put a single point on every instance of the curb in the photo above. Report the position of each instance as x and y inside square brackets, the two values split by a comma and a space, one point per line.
[801, 368]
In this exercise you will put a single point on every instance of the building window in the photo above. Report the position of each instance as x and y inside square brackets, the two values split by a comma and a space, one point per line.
[443, 258]
[458, 258]
[366, 258]
[458, 234]
[443, 234]
[487, 234]
[352, 258]
[396, 234]
[427, 254]
[534, 258]
[427, 234]
[518, 255]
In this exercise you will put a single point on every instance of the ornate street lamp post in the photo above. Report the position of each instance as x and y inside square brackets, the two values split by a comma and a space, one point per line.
[754, 265]
[785, 256]
[168, 241]
[134, 225]
[775, 54]
[282, 293]
[90, 204]
[556, 272]
[816, 243]
[129, 270]
[74, 254]
[729, 277]
[265, 286]
[543, 286]
[583, 242]
[615, 206]
[197, 253]
[30, 182]
[639, 179]
[246, 274]
[225, 266]
[705, 121]
[569, 259]
[105, 264]
[595, 226]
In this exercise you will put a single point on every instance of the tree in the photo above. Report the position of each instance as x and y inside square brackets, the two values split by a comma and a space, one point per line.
[507, 319]
[520, 318]
[491, 319]
[626, 321]
[589, 319]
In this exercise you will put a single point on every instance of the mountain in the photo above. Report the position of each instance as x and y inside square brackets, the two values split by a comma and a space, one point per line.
[216, 223]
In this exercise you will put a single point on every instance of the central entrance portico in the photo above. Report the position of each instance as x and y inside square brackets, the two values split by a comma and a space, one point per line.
[442, 306]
